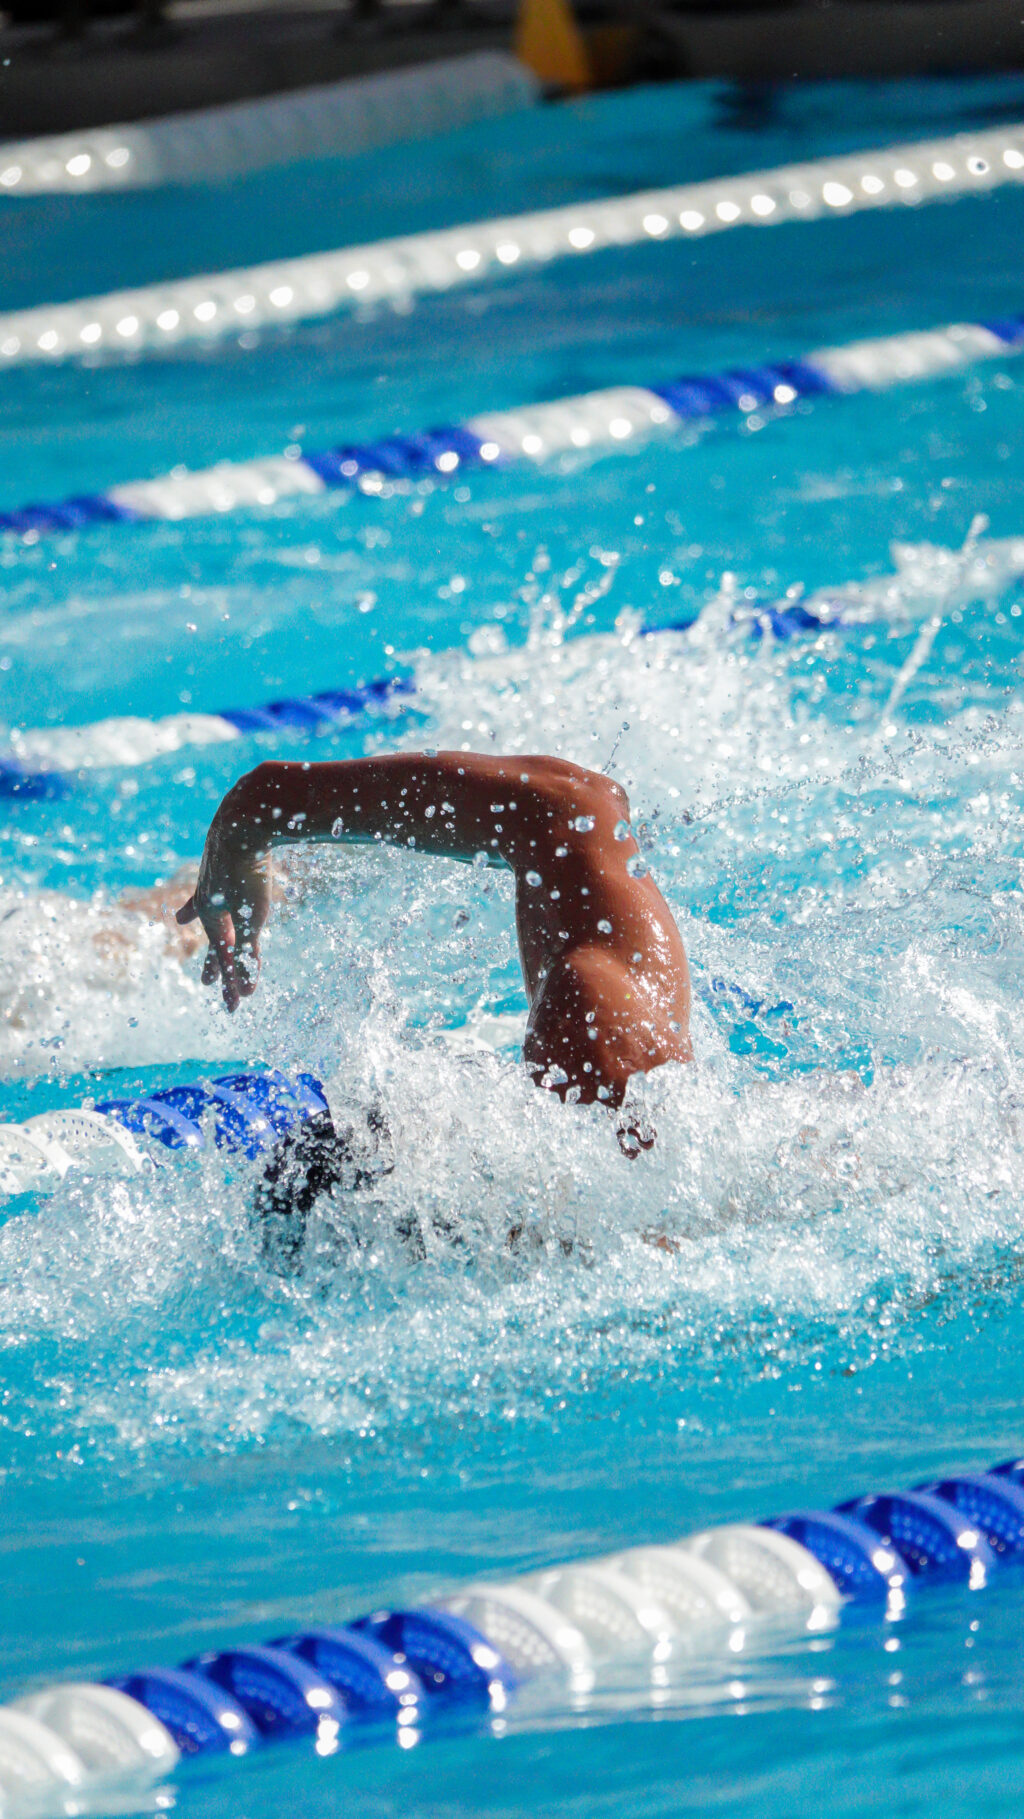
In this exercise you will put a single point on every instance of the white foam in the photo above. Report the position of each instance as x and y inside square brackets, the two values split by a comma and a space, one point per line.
[84, 984]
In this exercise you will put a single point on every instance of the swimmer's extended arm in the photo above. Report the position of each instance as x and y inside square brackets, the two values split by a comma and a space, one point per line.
[458, 804]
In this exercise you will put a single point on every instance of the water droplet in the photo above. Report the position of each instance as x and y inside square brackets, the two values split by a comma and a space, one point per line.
[623, 831]
[584, 824]
[534, 878]
[604, 926]
[337, 828]
[560, 852]
[636, 867]
[555, 1076]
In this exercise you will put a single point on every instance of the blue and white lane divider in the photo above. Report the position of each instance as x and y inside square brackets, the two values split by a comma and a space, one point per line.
[41, 758]
[229, 303]
[649, 1610]
[38, 760]
[247, 1113]
[621, 416]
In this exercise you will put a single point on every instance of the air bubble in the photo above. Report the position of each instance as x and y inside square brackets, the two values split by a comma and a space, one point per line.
[337, 828]
[584, 824]
[533, 879]
[636, 866]
[604, 926]
[623, 831]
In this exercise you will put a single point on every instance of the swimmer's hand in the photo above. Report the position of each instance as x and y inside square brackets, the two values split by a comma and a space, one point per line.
[232, 901]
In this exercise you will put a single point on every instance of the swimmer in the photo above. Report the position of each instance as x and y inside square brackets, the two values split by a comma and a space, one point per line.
[603, 963]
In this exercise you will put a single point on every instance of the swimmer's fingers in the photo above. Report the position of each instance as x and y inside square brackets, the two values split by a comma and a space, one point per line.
[220, 961]
[247, 951]
[187, 913]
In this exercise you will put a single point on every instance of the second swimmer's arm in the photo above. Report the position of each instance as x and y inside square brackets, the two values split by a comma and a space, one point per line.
[457, 804]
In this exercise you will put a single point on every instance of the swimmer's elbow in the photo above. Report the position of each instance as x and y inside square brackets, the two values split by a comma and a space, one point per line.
[267, 771]
[263, 783]
[605, 795]
[587, 787]
[618, 796]
[251, 794]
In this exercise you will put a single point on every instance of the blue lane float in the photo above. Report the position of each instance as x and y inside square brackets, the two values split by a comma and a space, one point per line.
[201, 1718]
[994, 1505]
[282, 1694]
[450, 1658]
[34, 785]
[360, 1668]
[854, 1554]
[593, 422]
[932, 1535]
[245, 1112]
[312, 713]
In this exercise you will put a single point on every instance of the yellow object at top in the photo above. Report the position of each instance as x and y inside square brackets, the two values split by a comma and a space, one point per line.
[550, 43]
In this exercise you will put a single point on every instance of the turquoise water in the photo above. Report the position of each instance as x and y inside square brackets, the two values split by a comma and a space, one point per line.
[193, 1451]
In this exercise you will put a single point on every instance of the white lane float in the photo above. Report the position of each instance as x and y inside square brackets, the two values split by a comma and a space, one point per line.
[333, 119]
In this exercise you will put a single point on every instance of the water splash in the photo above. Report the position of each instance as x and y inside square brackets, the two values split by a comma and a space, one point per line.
[841, 1165]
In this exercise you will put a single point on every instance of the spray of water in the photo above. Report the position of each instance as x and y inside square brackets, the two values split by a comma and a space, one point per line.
[845, 1153]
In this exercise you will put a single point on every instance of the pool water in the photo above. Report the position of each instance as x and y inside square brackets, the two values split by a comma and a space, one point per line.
[194, 1450]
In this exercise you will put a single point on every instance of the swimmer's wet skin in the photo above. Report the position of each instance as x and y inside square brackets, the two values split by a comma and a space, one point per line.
[603, 961]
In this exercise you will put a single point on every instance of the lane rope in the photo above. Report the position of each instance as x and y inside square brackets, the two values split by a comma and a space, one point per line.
[39, 761]
[219, 304]
[329, 120]
[713, 1598]
[594, 422]
[243, 1112]
[41, 758]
